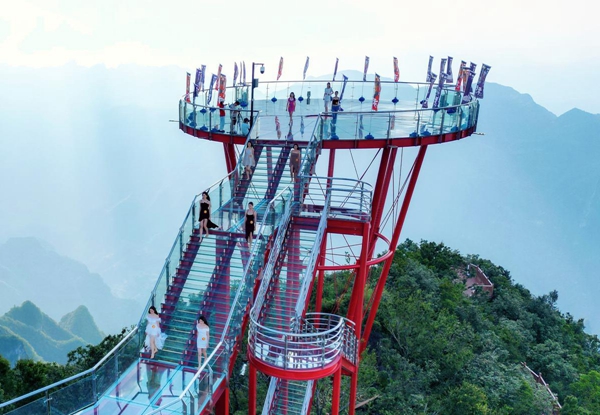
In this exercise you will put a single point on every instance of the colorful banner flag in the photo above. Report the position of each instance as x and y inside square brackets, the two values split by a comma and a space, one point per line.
[429, 74]
[202, 76]
[366, 68]
[450, 77]
[213, 81]
[197, 82]
[424, 102]
[396, 70]
[222, 88]
[461, 75]
[440, 88]
[337, 60]
[376, 92]
[343, 87]
[482, 75]
[218, 77]
[279, 72]
[443, 66]
[187, 86]
[244, 71]
[235, 73]
[305, 69]
[467, 97]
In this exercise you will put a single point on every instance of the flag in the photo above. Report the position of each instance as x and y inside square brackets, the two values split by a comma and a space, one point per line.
[280, 68]
[450, 78]
[222, 88]
[467, 97]
[482, 75]
[440, 87]
[366, 68]
[396, 70]
[443, 66]
[213, 81]
[218, 77]
[305, 68]
[202, 76]
[337, 60]
[235, 72]
[429, 74]
[461, 74]
[343, 87]
[424, 102]
[376, 92]
[187, 86]
[197, 82]
[244, 67]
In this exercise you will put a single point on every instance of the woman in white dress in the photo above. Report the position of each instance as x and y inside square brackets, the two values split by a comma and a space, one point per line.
[203, 338]
[152, 330]
[248, 162]
[327, 96]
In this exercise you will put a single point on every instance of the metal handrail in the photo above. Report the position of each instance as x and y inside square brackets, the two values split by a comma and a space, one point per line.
[189, 385]
[78, 375]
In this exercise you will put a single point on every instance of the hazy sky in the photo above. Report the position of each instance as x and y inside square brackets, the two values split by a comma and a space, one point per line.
[548, 49]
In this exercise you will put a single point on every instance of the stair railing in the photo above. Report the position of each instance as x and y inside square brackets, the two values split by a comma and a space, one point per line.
[282, 202]
[81, 390]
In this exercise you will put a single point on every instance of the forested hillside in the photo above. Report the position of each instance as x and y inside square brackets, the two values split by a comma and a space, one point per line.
[432, 350]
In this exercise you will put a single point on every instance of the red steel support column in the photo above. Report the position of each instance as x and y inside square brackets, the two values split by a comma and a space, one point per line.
[331, 162]
[383, 183]
[230, 159]
[393, 242]
[335, 400]
[222, 405]
[251, 390]
[353, 387]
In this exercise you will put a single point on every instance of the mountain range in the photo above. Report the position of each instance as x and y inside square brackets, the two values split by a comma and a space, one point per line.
[92, 165]
[28, 333]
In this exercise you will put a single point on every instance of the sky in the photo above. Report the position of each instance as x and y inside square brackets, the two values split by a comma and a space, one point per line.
[548, 49]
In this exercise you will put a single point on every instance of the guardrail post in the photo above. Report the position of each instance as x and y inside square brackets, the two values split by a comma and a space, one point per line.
[442, 123]
[418, 130]
[94, 386]
[180, 244]
[117, 364]
[184, 409]
[285, 348]
[389, 125]
[48, 405]
[210, 384]
[168, 274]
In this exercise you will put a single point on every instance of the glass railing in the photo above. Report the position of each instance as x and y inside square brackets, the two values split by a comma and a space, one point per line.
[399, 111]
[82, 390]
[226, 120]
[199, 391]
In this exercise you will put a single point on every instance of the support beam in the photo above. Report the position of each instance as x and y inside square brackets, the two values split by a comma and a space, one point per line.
[381, 190]
[393, 243]
[252, 390]
[337, 386]
[222, 404]
[230, 158]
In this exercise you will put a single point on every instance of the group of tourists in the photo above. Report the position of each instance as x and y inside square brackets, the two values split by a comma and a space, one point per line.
[155, 338]
[329, 96]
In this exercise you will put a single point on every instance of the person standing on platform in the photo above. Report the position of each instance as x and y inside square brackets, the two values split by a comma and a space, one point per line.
[248, 161]
[235, 115]
[291, 105]
[295, 161]
[204, 216]
[152, 330]
[250, 224]
[335, 106]
[221, 115]
[203, 338]
[327, 96]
